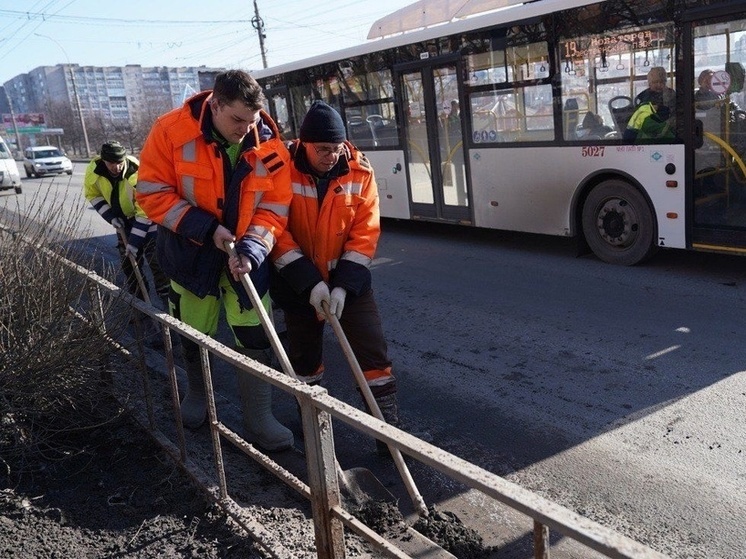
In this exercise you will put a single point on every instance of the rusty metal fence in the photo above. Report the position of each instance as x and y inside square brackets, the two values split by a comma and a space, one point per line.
[330, 517]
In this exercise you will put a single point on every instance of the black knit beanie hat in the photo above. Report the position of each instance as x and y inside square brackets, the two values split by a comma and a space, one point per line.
[113, 152]
[322, 124]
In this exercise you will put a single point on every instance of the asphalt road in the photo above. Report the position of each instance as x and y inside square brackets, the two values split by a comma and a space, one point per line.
[617, 392]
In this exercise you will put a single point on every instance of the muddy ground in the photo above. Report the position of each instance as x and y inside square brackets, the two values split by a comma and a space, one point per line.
[122, 496]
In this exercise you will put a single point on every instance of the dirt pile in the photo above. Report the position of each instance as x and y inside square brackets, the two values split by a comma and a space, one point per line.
[447, 530]
[382, 517]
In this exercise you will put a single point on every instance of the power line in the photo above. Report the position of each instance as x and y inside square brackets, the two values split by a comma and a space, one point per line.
[47, 17]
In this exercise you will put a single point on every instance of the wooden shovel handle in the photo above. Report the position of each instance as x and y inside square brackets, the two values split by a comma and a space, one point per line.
[135, 267]
[406, 476]
[264, 317]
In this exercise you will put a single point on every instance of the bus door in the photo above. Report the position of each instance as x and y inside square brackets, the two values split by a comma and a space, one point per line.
[278, 104]
[715, 52]
[434, 140]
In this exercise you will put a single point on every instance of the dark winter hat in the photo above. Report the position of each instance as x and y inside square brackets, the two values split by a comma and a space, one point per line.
[322, 124]
[113, 152]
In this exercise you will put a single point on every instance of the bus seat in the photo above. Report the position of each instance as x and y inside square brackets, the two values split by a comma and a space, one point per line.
[571, 118]
[621, 109]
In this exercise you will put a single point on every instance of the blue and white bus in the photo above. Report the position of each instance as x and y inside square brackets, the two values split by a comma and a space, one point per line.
[515, 120]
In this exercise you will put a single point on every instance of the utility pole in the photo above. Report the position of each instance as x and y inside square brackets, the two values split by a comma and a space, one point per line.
[19, 148]
[258, 24]
[80, 112]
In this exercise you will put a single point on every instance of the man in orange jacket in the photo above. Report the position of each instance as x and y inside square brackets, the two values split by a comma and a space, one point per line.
[212, 171]
[325, 253]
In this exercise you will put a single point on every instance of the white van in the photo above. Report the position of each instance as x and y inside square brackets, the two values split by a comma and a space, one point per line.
[9, 175]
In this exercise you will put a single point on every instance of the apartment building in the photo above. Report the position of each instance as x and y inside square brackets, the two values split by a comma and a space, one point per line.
[120, 101]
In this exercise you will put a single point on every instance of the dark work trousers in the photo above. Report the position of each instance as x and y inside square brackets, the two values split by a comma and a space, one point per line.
[162, 283]
[361, 324]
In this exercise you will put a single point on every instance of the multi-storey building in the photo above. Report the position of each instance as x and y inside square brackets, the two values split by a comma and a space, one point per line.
[114, 100]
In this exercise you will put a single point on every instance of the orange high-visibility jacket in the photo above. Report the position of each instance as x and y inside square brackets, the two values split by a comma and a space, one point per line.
[340, 237]
[186, 185]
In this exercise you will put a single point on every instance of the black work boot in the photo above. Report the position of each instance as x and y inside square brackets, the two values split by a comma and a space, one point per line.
[390, 411]
[194, 404]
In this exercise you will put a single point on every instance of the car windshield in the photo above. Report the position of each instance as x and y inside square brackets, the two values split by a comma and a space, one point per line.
[46, 153]
[4, 153]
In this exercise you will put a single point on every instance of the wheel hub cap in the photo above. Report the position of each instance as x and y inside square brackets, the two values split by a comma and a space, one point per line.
[617, 223]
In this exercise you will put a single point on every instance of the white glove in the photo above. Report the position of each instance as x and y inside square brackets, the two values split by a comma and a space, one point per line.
[117, 222]
[337, 304]
[319, 294]
[130, 249]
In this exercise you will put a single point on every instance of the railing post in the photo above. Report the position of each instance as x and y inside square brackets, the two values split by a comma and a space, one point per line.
[322, 480]
[97, 315]
[212, 417]
[541, 540]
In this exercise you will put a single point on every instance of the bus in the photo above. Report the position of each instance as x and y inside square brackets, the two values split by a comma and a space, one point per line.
[518, 119]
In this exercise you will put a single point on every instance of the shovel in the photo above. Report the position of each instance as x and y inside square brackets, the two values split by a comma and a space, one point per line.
[140, 279]
[358, 485]
[406, 476]
[135, 267]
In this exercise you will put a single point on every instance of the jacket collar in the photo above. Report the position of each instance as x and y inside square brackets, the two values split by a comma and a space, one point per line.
[199, 106]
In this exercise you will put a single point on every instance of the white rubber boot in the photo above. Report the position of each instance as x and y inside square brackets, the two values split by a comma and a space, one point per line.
[194, 404]
[261, 426]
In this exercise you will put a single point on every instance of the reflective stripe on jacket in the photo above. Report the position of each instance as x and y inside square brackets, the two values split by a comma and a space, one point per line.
[186, 185]
[646, 123]
[98, 190]
[340, 237]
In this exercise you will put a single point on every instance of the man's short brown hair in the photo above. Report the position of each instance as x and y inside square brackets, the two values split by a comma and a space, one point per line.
[237, 84]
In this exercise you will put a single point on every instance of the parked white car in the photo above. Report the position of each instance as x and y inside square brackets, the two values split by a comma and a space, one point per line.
[9, 175]
[44, 160]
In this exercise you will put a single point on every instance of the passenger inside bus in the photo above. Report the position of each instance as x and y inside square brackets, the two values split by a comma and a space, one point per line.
[719, 114]
[705, 98]
[650, 121]
[593, 127]
[657, 87]
[719, 161]
[654, 110]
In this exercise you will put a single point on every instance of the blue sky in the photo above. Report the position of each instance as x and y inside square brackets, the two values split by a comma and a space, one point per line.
[178, 33]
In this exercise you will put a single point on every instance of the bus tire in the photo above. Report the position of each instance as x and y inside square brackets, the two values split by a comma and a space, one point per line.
[618, 223]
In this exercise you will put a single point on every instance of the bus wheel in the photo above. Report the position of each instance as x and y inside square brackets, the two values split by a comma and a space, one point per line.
[618, 223]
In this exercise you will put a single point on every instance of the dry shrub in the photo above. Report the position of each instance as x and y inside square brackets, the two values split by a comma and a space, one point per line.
[53, 355]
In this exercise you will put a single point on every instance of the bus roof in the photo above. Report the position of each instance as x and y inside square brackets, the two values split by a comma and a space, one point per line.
[503, 11]
[426, 13]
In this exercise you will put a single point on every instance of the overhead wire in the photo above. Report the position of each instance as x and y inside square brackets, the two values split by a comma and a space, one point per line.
[42, 16]
[214, 37]
[16, 31]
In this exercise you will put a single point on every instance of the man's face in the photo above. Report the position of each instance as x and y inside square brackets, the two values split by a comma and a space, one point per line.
[115, 168]
[233, 120]
[656, 83]
[323, 156]
[706, 81]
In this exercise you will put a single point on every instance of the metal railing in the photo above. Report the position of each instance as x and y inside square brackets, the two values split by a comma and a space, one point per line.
[322, 489]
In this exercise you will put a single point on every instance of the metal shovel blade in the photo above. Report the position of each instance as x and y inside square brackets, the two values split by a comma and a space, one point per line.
[360, 486]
